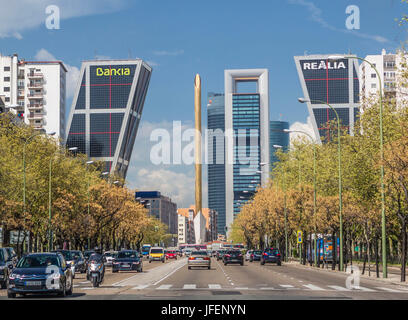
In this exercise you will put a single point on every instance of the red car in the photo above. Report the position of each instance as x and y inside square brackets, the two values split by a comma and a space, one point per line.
[171, 254]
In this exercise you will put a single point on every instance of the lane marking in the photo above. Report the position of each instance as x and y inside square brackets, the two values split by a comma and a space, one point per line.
[165, 287]
[214, 286]
[363, 289]
[242, 288]
[190, 286]
[338, 288]
[389, 289]
[266, 288]
[140, 287]
[157, 282]
[286, 286]
[313, 287]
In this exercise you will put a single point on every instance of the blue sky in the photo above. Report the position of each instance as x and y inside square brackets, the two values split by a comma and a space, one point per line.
[182, 37]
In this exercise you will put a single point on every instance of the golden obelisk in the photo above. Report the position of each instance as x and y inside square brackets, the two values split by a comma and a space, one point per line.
[197, 152]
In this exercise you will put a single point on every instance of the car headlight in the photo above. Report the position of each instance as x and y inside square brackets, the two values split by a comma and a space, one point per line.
[14, 276]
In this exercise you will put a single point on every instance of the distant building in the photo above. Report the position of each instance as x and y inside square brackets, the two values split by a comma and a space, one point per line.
[187, 228]
[160, 207]
[216, 157]
[208, 223]
[36, 91]
[106, 111]
[277, 137]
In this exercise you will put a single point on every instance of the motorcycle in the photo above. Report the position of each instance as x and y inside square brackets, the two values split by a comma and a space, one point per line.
[96, 272]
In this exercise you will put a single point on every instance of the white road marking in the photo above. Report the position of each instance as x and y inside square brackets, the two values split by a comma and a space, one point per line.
[214, 286]
[165, 287]
[363, 289]
[242, 288]
[286, 286]
[87, 288]
[140, 287]
[190, 286]
[267, 288]
[84, 282]
[338, 288]
[169, 274]
[389, 289]
[313, 287]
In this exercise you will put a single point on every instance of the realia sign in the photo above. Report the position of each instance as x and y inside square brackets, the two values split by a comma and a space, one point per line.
[324, 65]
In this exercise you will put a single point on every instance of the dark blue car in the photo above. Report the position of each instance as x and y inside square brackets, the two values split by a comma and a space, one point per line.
[255, 255]
[127, 260]
[271, 255]
[41, 273]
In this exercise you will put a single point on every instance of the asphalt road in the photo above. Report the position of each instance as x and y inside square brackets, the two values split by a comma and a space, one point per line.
[172, 280]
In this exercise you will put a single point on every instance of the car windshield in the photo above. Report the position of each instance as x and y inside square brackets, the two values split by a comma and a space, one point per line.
[171, 252]
[67, 254]
[108, 254]
[258, 252]
[233, 252]
[87, 254]
[95, 257]
[156, 251]
[38, 261]
[77, 254]
[127, 254]
[272, 251]
[199, 253]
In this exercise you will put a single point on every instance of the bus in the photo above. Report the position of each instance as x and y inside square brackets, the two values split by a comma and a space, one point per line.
[146, 249]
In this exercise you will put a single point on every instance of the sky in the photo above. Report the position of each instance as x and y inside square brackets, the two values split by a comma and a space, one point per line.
[181, 38]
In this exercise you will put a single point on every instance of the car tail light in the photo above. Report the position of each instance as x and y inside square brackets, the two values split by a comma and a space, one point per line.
[207, 258]
[278, 255]
[265, 254]
[191, 258]
[227, 255]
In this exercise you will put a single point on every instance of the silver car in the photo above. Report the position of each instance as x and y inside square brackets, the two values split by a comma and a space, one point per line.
[199, 259]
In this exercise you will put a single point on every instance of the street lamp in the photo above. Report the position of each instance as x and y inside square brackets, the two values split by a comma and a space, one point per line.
[89, 178]
[314, 183]
[383, 233]
[50, 234]
[302, 100]
[24, 164]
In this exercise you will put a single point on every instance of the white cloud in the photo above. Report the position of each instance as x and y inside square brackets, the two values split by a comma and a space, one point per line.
[19, 16]
[316, 16]
[168, 53]
[72, 74]
[300, 126]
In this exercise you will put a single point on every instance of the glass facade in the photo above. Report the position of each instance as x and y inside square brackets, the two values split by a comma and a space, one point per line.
[277, 137]
[334, 82]
[216, 157]
[107, 112]
[246, 128]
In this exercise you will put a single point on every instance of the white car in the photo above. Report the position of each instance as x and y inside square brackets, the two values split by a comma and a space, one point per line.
[109, 256]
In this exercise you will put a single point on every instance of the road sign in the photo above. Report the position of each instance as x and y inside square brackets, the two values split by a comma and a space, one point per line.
[299, 236]
[356, 249]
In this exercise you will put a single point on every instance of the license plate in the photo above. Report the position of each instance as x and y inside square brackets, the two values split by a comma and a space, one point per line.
[125, 265]
[199, 258]
[94, 274]
[33, 283]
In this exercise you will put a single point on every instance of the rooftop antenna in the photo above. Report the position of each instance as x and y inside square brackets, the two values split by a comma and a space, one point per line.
[130, 53]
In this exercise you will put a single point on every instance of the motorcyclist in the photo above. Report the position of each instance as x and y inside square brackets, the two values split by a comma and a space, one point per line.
[96, 257]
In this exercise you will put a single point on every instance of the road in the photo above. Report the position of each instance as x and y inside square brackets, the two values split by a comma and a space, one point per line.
[172, 280]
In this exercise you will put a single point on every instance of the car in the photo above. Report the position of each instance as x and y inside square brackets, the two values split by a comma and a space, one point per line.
[248, 254]
[78, 261]
[271, 255]
[199, 258]
[41, 273]
[69, 258]
[157, 254]
[171, 254]
[233, 256]
[109, 256]
[255, 255]
[6, 265]
[220, 254]
[187, 252]
[127, 260]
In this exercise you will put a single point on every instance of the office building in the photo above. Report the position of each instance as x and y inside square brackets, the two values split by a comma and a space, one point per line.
[325, 82]
[36, 92]
[389, 66]
[182, 229]
[247, 136]
[216, 156]
[160, 207]
[277, 137]
[208, 224]
[188, 228]
[106, 111]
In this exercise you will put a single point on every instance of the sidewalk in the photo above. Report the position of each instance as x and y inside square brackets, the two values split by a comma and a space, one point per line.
[392, 277]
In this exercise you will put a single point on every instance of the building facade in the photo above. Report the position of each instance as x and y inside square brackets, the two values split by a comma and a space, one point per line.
[106, 111]
[36, 91]
[187, 230]
[334, 82]
[216, 156]
[160, 207]
[389, 66]
[277, 137]
[247, 137]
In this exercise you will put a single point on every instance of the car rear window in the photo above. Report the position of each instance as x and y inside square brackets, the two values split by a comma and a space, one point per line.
[156, 251]
[199, 253]
[272, 251]
[127, 254]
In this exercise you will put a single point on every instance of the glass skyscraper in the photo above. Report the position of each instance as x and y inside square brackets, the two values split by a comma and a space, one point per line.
[329, 81]
[106, 111]
[277, 137]
[247, 137]
[216, 158]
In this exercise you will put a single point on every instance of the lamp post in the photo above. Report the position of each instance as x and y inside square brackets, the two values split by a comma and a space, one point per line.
[302, 100]
[89, 178]
[50, 234]
[24, 164]
[314, 185]
[383, 231]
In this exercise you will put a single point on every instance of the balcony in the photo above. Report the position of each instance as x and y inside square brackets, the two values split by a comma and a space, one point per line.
[35, 106]
[36, 75]
[35, 116]
[35, 95]
[35, 85]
